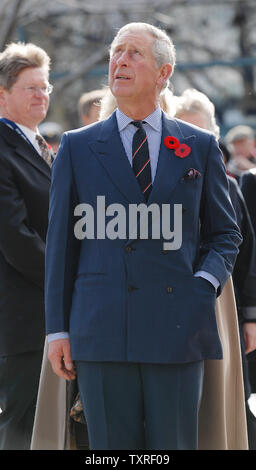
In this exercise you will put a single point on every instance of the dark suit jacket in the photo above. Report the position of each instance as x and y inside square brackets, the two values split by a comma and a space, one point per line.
[128, 299]
[248, 187]
[244, 273]
[24, 197]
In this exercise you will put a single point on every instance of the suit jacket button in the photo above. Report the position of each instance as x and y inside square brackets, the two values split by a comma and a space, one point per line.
[169, 289]
[128, 249]
[131, 288]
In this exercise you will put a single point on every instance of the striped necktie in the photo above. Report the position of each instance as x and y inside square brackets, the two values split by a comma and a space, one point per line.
[141, 160]
[45, 151]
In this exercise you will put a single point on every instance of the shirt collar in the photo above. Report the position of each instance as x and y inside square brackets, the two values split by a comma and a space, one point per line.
[28, 132]
[154, 119]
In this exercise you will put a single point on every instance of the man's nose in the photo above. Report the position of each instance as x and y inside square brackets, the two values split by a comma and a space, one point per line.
[123, 58]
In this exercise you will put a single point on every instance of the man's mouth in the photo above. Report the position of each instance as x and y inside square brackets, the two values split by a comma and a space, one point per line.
[122, 77]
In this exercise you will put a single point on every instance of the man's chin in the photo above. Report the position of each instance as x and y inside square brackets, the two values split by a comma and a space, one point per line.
[120, 90]
[40, 115]
[122, 94]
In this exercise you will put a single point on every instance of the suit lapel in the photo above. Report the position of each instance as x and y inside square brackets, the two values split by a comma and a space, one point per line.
[111, 154]
[170, 168]
[24, 149]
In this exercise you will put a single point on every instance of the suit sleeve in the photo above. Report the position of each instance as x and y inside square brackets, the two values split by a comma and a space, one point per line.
[220, 235]
[62, 248]
[20, 244]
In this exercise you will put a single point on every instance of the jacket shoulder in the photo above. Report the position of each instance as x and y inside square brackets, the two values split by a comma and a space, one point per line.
[85, 131]
[94, 130]
[249, 175]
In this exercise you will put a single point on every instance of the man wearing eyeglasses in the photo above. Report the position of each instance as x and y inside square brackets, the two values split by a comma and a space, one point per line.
[25, 170]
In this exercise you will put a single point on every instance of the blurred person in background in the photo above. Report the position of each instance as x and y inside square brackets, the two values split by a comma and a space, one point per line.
[51, 132]
[25, 172]
[240, 141]
[248, 188]
[89, 106]
[196, 108]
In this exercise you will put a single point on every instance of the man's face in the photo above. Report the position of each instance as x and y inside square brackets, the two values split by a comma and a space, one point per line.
[243, 147]
[133, 75]
[23, 104]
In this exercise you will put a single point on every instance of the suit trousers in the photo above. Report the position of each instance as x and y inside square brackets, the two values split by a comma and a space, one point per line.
[141, 406]
[19, 381]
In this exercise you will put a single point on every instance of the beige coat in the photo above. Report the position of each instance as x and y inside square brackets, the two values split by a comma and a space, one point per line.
[222, 419]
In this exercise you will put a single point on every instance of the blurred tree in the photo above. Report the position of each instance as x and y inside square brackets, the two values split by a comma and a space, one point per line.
[213, 41]
[244, 20]
[8, 14]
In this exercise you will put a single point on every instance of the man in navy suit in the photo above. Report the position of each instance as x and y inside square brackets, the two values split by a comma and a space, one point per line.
[132, 316]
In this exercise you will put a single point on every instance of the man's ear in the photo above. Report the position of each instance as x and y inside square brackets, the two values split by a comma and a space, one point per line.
[85, 120]
[164, 74]
[2, 96]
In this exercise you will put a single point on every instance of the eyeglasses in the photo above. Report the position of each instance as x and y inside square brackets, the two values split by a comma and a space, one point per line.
[46, 90]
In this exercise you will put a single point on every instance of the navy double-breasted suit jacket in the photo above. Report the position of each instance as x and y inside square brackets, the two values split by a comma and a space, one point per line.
[130, 300]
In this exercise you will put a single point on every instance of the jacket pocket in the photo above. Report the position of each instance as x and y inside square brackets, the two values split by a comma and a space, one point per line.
[90, 260]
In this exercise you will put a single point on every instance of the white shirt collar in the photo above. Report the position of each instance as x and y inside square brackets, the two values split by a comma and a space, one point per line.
[31, 135]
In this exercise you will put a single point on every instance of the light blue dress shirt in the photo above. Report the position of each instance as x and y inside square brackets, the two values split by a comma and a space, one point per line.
[153, 129]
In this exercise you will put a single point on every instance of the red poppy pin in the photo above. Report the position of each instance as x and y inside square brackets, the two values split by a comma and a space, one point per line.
[181, 150]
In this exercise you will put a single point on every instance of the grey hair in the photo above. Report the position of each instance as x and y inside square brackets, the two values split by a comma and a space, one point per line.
[193, 101]
[17, 57]
[163, 47]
